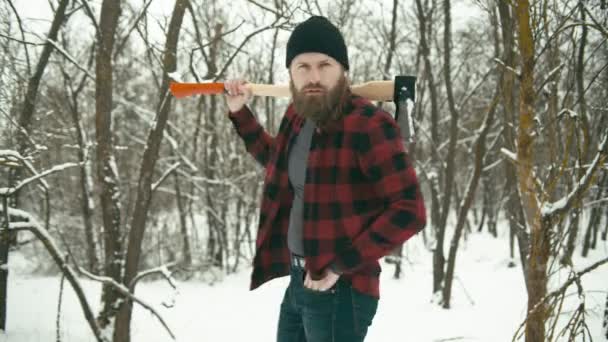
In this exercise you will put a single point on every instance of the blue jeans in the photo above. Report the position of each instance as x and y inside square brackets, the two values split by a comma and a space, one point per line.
[341, 314]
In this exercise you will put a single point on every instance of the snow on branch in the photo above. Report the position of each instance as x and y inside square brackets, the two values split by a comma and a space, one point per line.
[562, 205]
[10, 191]
[70, 58]
[164, 270]
[10, 158]
[32, 225]
[502, 64]
[125, 292]
[509, 154]
[165, 175]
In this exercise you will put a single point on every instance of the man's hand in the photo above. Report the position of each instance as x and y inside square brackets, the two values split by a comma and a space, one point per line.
[237, 94]
[328, 281]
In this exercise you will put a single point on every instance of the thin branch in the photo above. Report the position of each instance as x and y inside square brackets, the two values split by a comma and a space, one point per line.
[19, 40]
[10, 191]
[278, 14]
[70, 58]
[165, 175]
[240, 47]
[163, 270]
[90, 14]
[552, 73]
[135, 23]
[125, 292]
[597, 25]
[47, 240]
[27, 54]
[561, 206]
[506, 67]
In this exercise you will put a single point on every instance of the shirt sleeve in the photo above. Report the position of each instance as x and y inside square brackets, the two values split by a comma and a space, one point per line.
[257, 141]
[384, 161]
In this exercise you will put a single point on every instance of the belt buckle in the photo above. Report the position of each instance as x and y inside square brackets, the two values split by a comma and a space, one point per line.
[298, 261]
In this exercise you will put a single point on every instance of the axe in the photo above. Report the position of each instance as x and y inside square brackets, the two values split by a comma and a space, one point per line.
[402, 91]
[373, 90]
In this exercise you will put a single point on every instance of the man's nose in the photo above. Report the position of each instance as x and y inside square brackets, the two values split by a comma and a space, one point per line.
[314, 76]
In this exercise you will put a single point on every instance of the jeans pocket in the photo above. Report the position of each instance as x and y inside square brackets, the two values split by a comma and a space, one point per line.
[364, 309]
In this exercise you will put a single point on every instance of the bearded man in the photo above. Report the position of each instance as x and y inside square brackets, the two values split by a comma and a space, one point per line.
[339, 192]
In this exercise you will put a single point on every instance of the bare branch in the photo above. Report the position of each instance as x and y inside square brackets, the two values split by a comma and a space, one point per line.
[91, 16]
[125, 292]
[121, 45]
[47, 240]
[163, 270]
[27, 54]
[10, 191]
[70, 58]
[554, 209]
[19, 40]
[165, 175]
[240, 47]
[506, 67]
[278, 14]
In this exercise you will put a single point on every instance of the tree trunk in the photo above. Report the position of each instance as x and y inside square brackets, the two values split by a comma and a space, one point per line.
[25, 119]
[214, 245]
[186, 251]
[572, 234]
[540, 239]
[485, 204]
[514, 210]
[605, 232]
[107, 171]
[4, 246]
[596, 216]
[86, 180]
[29, 104]
[605, 323]
[150, 156]
[480, 151]
[450, 169]
[436, 179]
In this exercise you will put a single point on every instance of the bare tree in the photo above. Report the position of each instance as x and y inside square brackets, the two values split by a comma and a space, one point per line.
[107, 171]
[144, 189]
[540, 218]
[23, 136]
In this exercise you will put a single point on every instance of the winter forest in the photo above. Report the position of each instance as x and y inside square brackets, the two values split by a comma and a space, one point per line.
[129, 215]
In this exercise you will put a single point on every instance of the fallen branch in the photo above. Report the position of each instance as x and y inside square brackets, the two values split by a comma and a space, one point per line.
[43, 235]
[125, 292]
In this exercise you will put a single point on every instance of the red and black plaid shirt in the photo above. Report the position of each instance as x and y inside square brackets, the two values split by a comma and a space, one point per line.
[361, 196]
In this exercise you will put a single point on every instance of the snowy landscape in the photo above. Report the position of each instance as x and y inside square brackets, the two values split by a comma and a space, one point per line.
[118, 180]
[489, 302]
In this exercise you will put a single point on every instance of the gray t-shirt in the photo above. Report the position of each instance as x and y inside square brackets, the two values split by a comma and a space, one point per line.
[297, 165]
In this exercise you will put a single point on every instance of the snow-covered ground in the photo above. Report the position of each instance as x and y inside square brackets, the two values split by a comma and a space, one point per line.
[489, 301]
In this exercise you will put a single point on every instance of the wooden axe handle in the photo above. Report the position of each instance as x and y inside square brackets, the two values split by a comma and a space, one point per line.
[373, 90]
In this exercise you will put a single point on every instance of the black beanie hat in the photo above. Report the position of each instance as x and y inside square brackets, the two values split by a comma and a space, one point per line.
[317, 34]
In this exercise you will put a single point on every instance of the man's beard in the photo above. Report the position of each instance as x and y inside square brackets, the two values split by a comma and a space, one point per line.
[324, 107]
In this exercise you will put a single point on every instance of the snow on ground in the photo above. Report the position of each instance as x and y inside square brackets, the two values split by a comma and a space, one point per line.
[488, 302]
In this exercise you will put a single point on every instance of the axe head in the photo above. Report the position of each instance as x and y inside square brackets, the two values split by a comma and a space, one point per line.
[405, 88]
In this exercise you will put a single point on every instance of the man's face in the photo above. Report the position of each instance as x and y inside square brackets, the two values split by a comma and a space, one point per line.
[318, 85]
